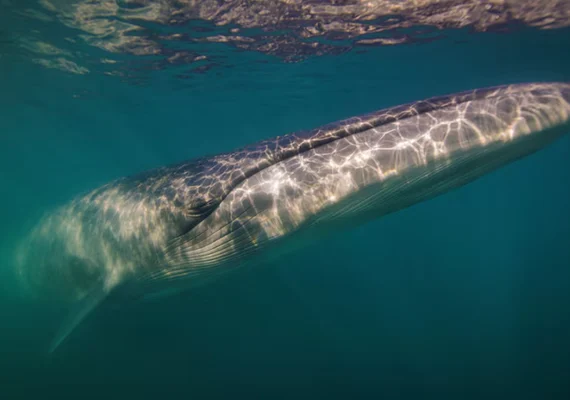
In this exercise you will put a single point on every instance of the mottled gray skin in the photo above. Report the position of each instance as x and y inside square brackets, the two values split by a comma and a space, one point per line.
[174, 227]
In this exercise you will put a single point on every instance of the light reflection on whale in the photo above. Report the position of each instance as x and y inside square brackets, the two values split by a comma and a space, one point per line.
[176, 227]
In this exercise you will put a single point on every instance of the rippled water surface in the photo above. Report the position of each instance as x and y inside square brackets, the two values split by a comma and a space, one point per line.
[463, 296]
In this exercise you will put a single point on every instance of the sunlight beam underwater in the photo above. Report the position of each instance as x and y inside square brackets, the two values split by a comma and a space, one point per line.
[176, 227]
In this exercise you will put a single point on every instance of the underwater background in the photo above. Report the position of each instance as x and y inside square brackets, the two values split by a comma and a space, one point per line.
[463, 296]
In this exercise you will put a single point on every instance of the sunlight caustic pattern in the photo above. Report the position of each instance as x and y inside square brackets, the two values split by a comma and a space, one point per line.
[211, 214]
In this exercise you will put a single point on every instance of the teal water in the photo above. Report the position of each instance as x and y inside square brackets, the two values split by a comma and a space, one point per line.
[463, 296]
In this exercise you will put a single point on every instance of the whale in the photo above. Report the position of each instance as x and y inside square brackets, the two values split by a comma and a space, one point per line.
[174, 228]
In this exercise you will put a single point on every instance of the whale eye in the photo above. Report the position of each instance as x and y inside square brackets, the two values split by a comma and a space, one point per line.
[202, 208]
[196, 213]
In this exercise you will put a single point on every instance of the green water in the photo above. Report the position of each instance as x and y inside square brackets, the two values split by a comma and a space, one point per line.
[464, 296]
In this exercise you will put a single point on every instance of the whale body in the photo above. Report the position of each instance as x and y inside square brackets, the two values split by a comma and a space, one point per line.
[175, 227]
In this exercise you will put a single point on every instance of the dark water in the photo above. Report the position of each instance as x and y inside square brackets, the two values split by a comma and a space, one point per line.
[463, 296]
